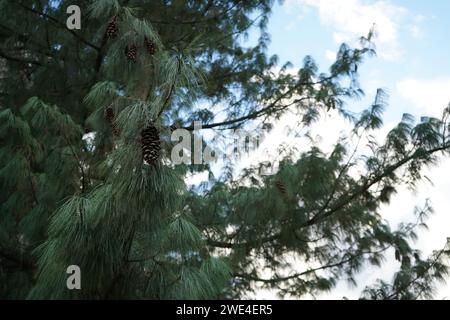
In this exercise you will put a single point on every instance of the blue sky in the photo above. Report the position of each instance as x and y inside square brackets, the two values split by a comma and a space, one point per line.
[413, 65]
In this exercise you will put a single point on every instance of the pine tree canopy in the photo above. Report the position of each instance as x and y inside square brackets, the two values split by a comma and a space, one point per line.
[86, 175]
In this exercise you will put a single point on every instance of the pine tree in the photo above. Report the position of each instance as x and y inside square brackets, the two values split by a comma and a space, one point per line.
[75, 193]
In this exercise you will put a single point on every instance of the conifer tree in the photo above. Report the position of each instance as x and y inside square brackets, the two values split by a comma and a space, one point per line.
[87, 178]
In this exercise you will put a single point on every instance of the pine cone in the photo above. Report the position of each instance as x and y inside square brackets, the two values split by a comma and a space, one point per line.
[281, 187]
[109, 113]
[131, 53]
[150, 46]
[112, 30]
[151, 144]
[110, 116]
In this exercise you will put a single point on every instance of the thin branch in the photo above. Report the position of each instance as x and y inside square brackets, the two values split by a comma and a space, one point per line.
[234, 245]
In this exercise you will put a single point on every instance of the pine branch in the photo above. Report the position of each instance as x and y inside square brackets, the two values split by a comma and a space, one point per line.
[146, 258]
[303, 273]
[316, 219]
[265, 110]
[100, 53]
[395, 294]
[21, 60]
[79, 164]
[170, 92]
[209, 4]
[33, 189]
[391, 169]
[230, 34]
[235, 245]
[99, 59]
[23, 261]
[251, 116]
[341, 172]
[25, 38]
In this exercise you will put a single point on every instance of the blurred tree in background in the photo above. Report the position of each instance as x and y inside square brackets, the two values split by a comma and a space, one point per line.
[86, 177]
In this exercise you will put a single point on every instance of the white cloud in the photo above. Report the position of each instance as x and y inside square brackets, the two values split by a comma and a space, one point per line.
[427, 96]
[351, 19]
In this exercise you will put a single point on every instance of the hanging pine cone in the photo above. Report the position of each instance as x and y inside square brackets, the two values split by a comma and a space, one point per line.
[112, 30]
[131, 53]
[151, 145]
[110, 117]
[174, 127]
[150, 46]
[281, 187]
[109, 113]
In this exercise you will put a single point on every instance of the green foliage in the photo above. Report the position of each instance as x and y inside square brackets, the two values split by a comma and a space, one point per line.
[75, 189]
